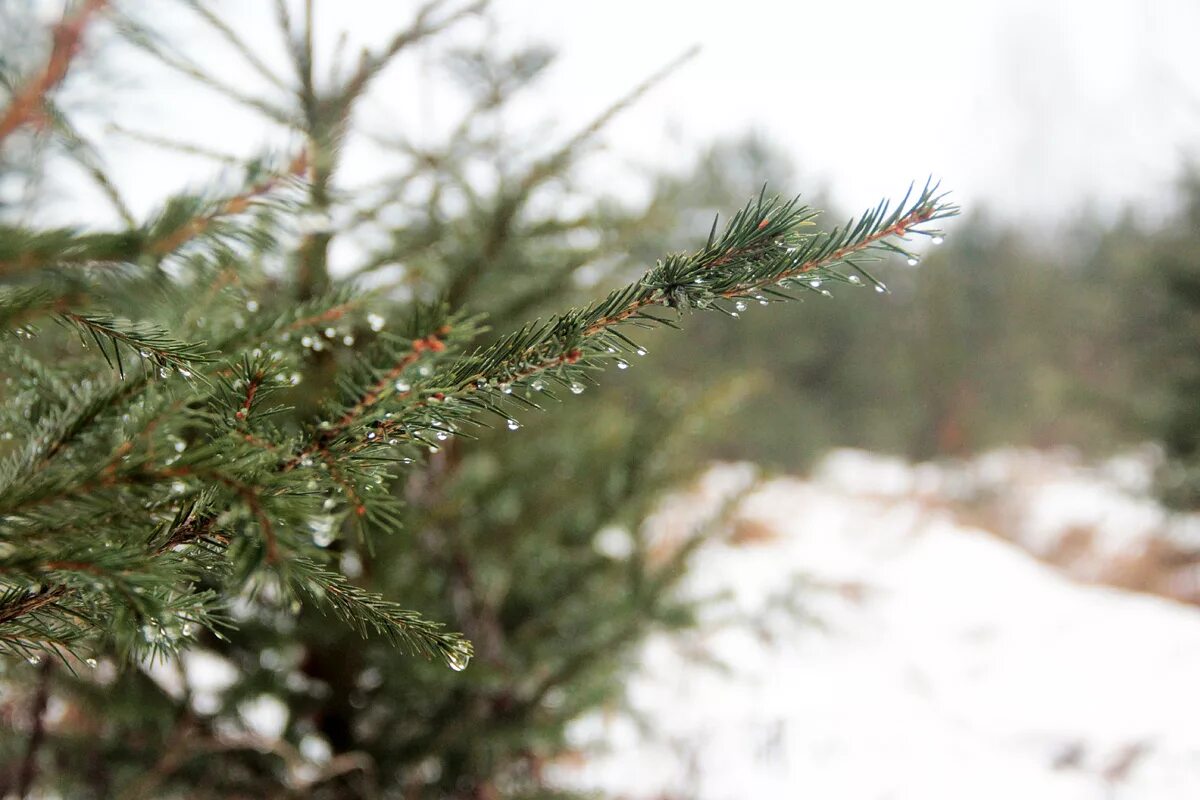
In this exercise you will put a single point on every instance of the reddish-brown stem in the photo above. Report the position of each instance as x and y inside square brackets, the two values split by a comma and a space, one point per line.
[340, 480]
[251, 389]
[27, 102]
[264, 522]
[432, 344]
[230, 207]
[550, 361]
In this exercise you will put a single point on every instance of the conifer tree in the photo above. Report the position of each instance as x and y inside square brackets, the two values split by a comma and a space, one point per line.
[1176, 267]
[213, 445]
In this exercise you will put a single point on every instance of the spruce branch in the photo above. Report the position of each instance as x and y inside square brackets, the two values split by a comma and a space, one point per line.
[166, 240]
[239, 44]
[27, 102]
[181, 220]
[175, 145]
[554, 163]
[763, 250]
[368, 612]
[142, 340]
[146, 40]
[423, 27]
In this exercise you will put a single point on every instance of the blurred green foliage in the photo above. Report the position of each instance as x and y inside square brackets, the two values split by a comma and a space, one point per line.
[1085, 336]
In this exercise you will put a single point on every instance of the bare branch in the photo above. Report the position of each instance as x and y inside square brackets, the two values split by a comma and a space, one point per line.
[237, 43]
[372, 64]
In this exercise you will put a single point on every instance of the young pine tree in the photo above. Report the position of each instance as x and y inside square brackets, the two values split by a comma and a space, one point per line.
[226, 462]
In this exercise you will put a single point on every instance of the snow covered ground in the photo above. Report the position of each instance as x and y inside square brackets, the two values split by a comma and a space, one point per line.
[899, 650]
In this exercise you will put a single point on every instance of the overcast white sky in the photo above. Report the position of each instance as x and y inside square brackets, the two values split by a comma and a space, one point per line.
[1022, 102]
[1033, 107]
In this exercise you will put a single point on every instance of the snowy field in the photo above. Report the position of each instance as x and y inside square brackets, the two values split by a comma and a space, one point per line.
[928, 631]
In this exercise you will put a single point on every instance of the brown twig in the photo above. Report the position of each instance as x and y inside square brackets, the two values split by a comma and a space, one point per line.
[237, 204]
[27, 102]
[432, 343]
[30, 603]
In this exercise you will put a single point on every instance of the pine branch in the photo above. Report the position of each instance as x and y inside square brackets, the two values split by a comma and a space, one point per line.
[163, 242]
[371, 64]
[142, 340]
[764, 250]
[180, 221]
[187, 148]
[146, 40]
[26, 103]
[84, 154]
[19, 304]
[236, 42]
[366, 612]
[556, 161]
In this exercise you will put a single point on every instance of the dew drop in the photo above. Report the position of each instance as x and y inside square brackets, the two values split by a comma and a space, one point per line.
[375, 322]
[348, 340]
[294, 378]
[735, 315]
[622, 364]
[938, 239]
[371, 435]
[513, 424]
[537, 385]
[330, 333]
[912, 262]
[740, 305]
[306, 341]
[641, 351]
[857, 281]
[180, 446]
[252, 305]
[402, 386]
[458, 658]
[442, 436]
[827, 293]
[506, 388]
[91, 662]
[577, 387]
[879, 287]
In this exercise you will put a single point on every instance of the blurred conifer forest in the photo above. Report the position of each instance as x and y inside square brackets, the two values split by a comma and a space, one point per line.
[1082, 336]
[529, 537]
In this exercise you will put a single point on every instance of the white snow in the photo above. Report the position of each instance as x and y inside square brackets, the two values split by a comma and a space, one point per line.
[898, 652]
